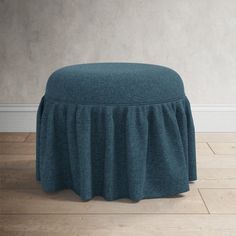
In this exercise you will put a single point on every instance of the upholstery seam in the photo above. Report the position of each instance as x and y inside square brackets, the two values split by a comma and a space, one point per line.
[51, 100]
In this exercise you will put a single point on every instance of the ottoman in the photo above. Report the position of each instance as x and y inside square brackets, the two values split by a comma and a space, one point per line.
[116, 130]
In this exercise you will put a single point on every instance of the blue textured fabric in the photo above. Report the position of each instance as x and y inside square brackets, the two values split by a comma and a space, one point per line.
[117, 130]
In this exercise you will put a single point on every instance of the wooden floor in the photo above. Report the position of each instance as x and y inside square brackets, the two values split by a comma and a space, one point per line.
[208, 209]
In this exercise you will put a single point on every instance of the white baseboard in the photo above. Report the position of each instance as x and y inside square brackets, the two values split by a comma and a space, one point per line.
[18, 117]
[214, 118]
[207, 118]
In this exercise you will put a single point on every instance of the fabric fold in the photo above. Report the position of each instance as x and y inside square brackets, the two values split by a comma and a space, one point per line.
[116, 151]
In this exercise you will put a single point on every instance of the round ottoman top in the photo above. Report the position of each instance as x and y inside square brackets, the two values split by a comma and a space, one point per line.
[114, 83]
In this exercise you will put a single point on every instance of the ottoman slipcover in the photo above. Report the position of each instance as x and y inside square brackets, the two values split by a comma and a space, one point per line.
[117, 130]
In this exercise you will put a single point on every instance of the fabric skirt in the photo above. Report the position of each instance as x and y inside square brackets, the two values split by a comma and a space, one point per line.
[116, 151]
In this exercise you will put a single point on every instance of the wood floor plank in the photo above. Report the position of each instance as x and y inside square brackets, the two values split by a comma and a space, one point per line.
[215, 178]
[13, 160]
[225, 156]
[36, 201]
[223, 148]
[220, 200]
[216, 137]
[17, 148]
[31, 138]
[216, 161]
[116, 225]
[13, 137]
[18, 171]
[18, 179]
[203, 149]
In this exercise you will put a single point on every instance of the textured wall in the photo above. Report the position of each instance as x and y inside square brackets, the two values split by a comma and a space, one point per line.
[195, 37]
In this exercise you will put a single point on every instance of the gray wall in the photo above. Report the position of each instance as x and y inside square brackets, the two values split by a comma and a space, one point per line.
[195, 37]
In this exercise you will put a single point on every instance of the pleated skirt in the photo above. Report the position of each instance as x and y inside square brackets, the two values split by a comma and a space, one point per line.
[116, 151]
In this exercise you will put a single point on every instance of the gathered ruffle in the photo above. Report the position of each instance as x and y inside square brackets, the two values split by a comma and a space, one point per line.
[116, 151]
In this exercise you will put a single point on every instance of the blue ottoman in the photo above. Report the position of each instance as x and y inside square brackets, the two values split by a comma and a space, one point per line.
[117, 130]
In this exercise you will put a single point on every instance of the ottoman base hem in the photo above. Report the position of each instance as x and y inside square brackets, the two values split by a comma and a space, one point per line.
[166, 194]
